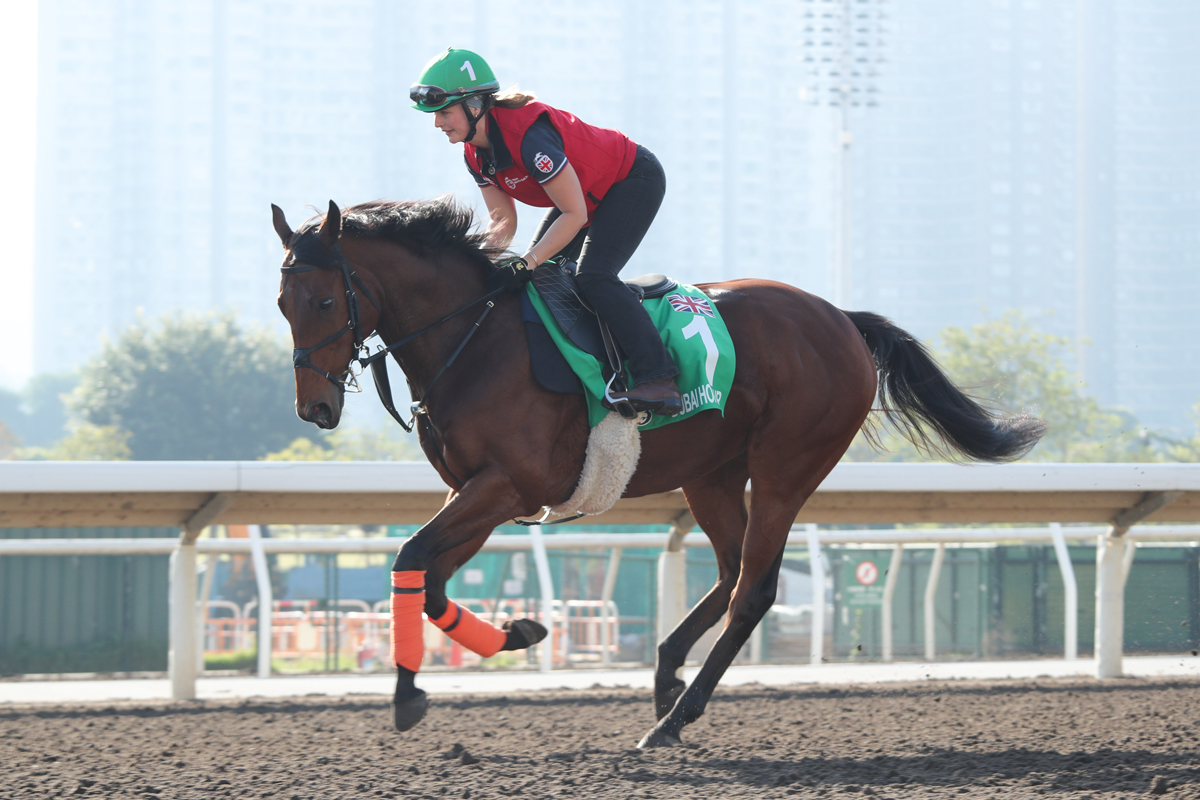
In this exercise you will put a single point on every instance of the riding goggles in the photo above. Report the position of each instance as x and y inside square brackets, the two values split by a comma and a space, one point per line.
[435, 96]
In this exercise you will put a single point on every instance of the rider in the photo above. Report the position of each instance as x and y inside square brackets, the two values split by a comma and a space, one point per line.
[602, 190]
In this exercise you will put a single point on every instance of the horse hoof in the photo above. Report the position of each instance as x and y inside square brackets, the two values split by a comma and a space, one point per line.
[407, 713]
[658, 738]
[522, 633]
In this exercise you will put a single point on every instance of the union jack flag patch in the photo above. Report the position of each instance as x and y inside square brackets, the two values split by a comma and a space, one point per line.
[695, 305]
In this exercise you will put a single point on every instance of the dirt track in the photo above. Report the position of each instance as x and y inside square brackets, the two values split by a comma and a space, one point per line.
[1058, 739]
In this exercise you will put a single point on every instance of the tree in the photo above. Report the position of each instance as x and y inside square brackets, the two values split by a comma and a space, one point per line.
[37, 415]
[192, 387]
[8, 442]
[354, 444]
[1011, 367]
[1187, 450]
[84, 443]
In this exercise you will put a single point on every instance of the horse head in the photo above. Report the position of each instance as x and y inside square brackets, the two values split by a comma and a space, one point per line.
[317, 297]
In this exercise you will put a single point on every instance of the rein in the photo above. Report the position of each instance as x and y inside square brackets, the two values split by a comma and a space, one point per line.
[377, 361]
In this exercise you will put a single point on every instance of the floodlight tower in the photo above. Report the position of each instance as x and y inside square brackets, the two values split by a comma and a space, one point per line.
[843, 48]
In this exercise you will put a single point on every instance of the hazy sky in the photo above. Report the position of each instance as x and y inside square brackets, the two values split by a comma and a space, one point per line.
[18, 96]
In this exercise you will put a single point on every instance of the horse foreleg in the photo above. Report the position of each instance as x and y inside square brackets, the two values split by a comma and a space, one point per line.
[487, 500]
[460, 623]
[719, 507]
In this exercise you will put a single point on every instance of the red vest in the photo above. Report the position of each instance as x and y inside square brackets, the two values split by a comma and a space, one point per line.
[600, 156]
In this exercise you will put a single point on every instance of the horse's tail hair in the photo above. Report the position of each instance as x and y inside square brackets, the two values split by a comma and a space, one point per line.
[918, 398]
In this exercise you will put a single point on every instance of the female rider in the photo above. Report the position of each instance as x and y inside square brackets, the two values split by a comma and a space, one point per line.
[602, 190]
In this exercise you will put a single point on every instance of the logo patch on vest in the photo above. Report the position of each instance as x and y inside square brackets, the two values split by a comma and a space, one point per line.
[544, 163]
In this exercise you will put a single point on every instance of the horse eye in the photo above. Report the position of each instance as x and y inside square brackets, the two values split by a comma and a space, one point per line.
[325, 304]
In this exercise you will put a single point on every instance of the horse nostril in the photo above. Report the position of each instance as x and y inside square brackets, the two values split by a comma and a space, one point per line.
[322, 415]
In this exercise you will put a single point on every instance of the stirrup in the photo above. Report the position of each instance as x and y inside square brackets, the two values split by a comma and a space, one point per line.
[621, 405]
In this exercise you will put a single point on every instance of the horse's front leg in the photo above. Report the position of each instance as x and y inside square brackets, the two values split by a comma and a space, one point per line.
[459, 622]
[419, 575]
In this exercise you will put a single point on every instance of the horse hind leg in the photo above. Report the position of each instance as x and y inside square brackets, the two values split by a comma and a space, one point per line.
[719, 507]
[772, 510]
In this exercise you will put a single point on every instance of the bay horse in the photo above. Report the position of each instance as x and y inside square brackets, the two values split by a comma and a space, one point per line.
[807, 375]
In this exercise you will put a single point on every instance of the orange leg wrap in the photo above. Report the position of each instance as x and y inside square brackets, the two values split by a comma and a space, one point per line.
[408, 630]
[473, 633]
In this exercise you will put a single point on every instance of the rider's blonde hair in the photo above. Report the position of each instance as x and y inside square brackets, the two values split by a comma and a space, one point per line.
[513, 97]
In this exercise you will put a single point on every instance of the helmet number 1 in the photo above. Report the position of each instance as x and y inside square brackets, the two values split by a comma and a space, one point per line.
[470, 70]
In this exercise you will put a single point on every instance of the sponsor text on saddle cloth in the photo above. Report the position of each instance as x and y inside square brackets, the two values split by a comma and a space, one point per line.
[695, 336]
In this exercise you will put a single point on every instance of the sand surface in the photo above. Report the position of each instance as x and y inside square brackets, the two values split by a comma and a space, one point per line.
[1065, 738]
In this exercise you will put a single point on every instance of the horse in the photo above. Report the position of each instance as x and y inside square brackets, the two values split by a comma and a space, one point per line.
[807, 376]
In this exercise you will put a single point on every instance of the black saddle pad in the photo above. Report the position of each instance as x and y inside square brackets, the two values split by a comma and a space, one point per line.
[555, 283]
[550, 369]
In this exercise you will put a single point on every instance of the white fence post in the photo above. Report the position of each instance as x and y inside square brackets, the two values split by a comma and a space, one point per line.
[889, 591]
[1070, 594]
[1111, 569]
[610, 583]
[756, 641]
[181, 655]
[672, 591]
[816, 568]
[266, 600]
[1110, 605]
[672, 580]
[210, 567]
[542, 563]
[931, 585]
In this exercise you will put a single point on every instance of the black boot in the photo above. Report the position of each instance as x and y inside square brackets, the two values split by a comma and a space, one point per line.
[660, 396]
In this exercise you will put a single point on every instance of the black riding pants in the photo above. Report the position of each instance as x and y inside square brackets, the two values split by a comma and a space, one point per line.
[602, 250]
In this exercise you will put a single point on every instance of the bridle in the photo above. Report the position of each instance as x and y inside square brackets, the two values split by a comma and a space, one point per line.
[348, 381]
[377, 361]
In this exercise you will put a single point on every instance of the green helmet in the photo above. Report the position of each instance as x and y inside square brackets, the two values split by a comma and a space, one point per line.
[451, 77]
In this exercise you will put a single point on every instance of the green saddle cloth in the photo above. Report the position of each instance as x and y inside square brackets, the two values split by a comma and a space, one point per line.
[695, 336]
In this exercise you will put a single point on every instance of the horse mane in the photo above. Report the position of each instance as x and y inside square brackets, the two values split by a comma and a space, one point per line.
[427, 227]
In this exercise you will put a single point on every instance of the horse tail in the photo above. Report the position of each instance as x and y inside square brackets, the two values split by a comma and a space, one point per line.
[917, 396]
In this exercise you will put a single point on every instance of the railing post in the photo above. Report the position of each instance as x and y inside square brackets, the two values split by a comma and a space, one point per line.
[935, 574]
[181, 629]
[1110, 582]
[672, 578]
[610, 583]
[889, 591]
[756, 641]
[266, 600]
[1070, 593]
[542, 563]
[210, 567]
[181, 655]
[1110, 604]
[816, 568]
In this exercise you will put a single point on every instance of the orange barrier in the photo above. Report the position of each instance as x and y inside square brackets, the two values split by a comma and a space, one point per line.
[300, 631]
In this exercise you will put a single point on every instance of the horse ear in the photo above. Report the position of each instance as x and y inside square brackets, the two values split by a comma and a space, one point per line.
[331, 228]
[281, 226]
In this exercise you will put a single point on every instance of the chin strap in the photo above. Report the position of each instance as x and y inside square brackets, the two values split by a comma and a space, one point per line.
[484, 107]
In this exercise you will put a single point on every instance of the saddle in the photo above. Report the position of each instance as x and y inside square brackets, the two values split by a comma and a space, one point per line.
[556, 284]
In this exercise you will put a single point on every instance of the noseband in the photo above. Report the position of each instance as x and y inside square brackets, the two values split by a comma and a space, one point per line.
[377, 361]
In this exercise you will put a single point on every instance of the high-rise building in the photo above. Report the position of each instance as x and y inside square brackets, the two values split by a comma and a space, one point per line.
[1040, 155]
[1032, 154]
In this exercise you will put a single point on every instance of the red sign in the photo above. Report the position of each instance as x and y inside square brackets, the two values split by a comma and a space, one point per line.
[866, 573]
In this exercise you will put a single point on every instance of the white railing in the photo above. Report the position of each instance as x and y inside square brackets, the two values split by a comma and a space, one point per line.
[184, 636]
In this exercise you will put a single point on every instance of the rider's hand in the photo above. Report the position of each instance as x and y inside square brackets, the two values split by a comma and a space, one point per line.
[513, 273]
